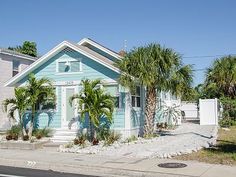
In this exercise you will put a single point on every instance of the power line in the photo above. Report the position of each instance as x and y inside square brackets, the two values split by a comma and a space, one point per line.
[208, 56]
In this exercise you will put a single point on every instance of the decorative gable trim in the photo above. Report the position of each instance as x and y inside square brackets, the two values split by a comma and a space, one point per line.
[52, 53]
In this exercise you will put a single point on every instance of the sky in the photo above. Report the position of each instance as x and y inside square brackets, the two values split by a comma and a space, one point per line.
[200, 30]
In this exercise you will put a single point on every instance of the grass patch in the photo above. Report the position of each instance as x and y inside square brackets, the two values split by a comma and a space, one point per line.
[224, 152]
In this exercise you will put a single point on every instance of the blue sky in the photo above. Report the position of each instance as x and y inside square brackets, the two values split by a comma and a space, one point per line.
[192, 28]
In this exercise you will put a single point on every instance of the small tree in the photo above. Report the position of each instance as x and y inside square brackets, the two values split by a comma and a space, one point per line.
[39, 91]
[28, 48]
[94, 102]
[157, 69]
[19, 103]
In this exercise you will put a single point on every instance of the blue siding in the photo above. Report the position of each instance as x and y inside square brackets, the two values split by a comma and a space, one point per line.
[90, 69]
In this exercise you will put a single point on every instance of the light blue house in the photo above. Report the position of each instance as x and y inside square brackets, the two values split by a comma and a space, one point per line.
[67, 64]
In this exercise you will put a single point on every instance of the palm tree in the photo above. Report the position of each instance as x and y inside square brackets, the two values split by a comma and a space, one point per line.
[156, 68]
[94, 102]
[221, 78]
[39, 91]
[20, 103]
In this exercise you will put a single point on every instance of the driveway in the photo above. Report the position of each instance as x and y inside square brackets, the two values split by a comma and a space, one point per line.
[186, 138]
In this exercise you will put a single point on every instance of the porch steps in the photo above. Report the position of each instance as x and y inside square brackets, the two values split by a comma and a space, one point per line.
[64, 135]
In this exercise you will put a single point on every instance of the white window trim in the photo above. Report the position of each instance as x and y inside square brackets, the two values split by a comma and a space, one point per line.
[135, 107]
[69, 60]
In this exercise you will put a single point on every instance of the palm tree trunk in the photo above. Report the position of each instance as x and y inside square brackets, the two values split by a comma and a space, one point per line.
[32, 121]
[22, 125]
[91, 130]
[150, 109]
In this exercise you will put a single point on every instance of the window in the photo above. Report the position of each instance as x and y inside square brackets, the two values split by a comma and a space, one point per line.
[117, 101]
[114, 92]
[69, 66]
[135, 97]
[49, 103]
[15, 67]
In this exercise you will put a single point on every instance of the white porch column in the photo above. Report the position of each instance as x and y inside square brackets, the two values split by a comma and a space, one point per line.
[127, 132]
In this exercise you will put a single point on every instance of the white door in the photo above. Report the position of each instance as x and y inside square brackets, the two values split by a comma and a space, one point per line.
[68, 112]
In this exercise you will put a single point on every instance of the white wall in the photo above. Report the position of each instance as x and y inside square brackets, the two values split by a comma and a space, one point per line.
[7, 92]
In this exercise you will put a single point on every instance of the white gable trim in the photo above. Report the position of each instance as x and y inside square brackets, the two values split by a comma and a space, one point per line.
[19, 56]
[86, 40]
[52, 53]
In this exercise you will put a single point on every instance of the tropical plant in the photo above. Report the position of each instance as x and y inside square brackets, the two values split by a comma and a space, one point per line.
[39, 91]
[19, 104]
[221, 77]
[157, 69]
[112, 137]
[94, 102]
[28, 48]
[40, 133]
[171, 114]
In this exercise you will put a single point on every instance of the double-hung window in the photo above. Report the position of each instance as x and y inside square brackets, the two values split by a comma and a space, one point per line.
[113, 91]
[72, 66]
[15, 67]
[136, 97]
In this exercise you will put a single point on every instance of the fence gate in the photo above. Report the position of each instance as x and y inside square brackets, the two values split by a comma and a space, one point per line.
[208, 111]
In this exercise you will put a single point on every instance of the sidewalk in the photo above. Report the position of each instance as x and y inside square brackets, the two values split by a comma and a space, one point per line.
[49, 159]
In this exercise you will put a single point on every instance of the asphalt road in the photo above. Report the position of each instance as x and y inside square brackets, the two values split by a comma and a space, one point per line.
[6, 171]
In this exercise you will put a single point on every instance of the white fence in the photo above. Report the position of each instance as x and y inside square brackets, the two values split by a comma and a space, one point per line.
[209, 111]
[190, 109]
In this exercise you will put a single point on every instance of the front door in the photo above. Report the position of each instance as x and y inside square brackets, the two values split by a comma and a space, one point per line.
[68, 112]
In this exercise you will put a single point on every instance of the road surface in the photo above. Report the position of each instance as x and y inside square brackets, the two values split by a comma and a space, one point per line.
[6, 171]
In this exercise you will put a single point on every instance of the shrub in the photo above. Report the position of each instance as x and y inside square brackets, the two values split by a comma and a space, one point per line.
[14, 132]
[229, 112]
[130, 139]
[112, 137]
[95, 141]
[103, 131]
[80, 140]
[227, 122]
[45, 132]
[9, 137]
[15, 137]
[150, 136]
[25, 137]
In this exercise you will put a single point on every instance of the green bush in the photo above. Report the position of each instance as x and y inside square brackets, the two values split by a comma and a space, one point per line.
[14, 132]
[112, 137]
[80, 140]
[25, 137]
[103, 133]
[229, 112]
[40, 133]
[227, 122]
[131, 139]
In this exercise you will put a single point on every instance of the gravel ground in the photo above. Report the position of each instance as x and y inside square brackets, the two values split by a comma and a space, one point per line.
[185, 139]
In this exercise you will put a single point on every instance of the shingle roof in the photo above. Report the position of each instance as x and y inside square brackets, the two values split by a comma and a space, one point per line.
[12, 52]
[97, 55]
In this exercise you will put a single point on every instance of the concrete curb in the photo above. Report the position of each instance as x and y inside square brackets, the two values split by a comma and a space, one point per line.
[85, 169]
